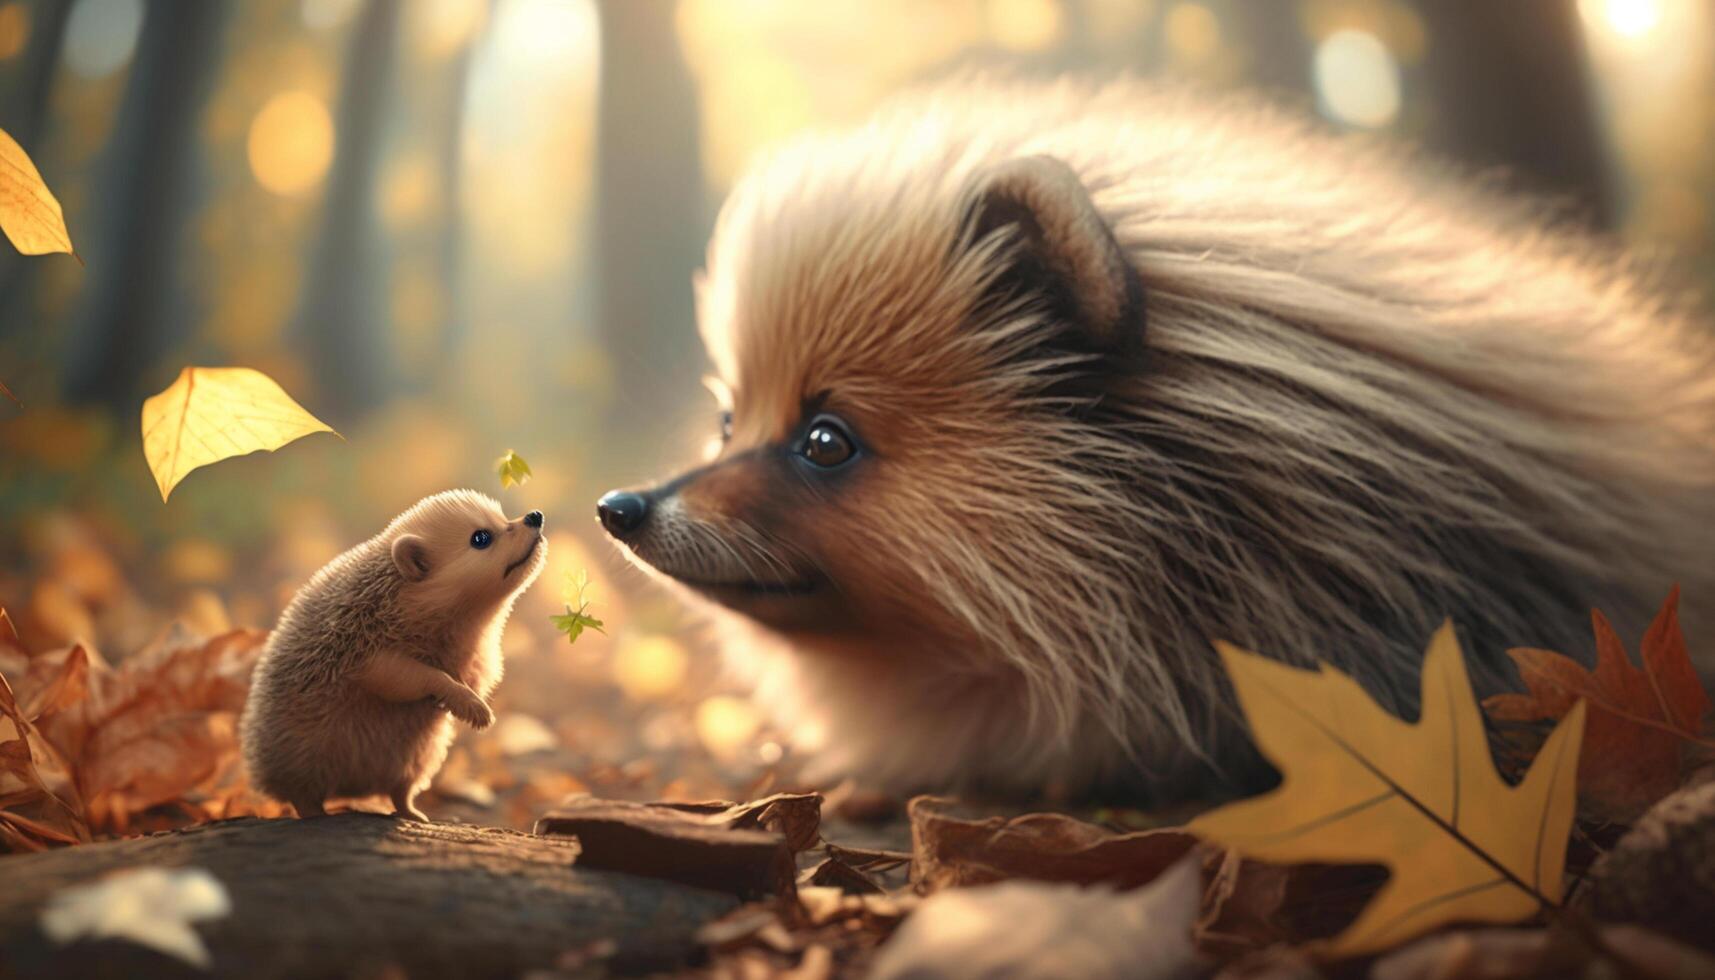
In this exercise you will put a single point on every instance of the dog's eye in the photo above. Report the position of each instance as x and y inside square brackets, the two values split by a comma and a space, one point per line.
[726, 426]
[481, 539]
[827, 444]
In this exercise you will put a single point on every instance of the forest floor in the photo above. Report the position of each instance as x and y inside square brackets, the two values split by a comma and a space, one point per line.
[627, 813]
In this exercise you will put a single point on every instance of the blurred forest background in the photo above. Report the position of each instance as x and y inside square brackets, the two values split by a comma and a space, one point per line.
[455, 227]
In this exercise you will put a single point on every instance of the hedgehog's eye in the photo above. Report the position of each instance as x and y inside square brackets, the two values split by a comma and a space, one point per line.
[481, 539]
[726, 426]
[827, 444]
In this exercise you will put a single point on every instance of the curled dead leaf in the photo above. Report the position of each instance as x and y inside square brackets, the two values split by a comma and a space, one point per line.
[1641, 720]
[950, 851]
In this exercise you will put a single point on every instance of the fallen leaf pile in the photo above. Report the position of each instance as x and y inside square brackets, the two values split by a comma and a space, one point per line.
[1644, 723]
[95, 749]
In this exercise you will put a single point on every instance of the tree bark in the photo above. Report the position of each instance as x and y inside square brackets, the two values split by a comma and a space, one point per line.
[131, 316]
[342, 317]
[649, 220]
[362, 894]
[25, 117]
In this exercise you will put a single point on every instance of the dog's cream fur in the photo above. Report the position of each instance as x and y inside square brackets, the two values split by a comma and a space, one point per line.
[353, 692]
[1371, 395]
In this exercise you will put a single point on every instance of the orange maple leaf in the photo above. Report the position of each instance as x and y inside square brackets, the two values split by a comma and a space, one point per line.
[1641, 719]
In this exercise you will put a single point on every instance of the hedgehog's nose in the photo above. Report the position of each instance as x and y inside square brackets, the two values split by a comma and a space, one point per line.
[622, 512]
[533, 519]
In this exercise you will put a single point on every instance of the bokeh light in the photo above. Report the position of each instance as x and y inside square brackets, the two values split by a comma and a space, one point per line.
[291, 143]
[726, 725]
[1193, 32]
[443, 26]
[1025, 25]
[101, 36]
[14, 29]
[649, 668]
[1357, 81]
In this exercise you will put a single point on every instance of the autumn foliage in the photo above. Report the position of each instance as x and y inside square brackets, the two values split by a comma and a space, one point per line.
[91, 748]
[1644, 724]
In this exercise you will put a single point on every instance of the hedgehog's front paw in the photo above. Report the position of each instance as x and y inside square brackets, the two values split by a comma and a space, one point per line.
[467, 707]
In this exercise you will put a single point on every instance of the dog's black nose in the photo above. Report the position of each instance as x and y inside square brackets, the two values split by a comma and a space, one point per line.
[533, 519]
[622, 512]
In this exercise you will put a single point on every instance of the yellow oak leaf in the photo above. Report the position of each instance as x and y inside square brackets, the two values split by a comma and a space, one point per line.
[29, 213]
[211, 414]
[1360, 785]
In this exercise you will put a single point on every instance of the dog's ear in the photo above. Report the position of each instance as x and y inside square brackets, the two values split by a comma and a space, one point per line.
[1059, 249]
[411, 557]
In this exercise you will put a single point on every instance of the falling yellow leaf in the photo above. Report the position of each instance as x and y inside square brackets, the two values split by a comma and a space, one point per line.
[29, 213]
[211, 414]
[1360, 785]
[513, 470]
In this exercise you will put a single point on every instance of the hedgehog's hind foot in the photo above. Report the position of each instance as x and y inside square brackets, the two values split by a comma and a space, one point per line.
[308, 807]
[405, 807]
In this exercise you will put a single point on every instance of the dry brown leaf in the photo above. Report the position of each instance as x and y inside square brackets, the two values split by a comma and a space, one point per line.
[1505, 954]
[1641, 720]
[29, 213]
[38, 805]
[1251, 905]
[949, 851]
[112, 743]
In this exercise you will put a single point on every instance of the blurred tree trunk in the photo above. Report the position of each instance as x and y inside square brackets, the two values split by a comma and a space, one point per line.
[24, 117]
[343, 315]
[1277, 53]
[449, 245]
[27, 108]
[1511, 90]
[649, 218]
[132, 314]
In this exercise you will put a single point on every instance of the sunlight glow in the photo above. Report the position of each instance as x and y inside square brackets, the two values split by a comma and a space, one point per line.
[1357, 80]
[291, 143]
[1626, 18]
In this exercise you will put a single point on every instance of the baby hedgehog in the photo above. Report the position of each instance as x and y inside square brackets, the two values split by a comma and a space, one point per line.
[353, 690]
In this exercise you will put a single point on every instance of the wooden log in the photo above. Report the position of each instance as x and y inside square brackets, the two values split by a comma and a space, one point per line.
[365, 895]
[670, 842]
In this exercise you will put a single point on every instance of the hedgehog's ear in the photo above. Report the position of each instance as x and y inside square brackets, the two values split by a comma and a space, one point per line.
[411, 556]
[1062, 250]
